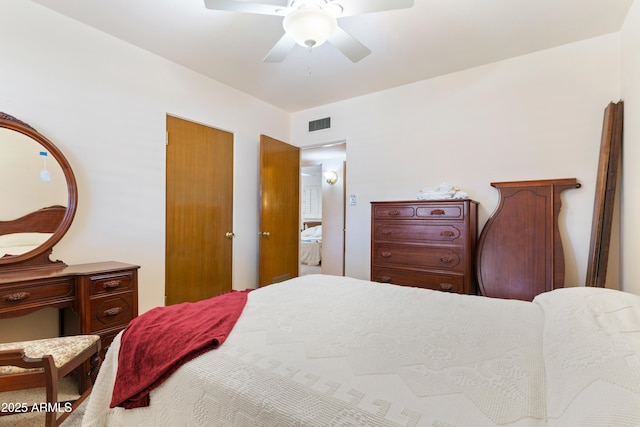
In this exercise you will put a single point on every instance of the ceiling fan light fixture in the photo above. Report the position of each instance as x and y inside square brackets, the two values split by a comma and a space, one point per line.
[310, 26]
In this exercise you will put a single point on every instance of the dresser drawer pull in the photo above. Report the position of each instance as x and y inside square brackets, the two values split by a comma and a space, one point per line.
[394, 212]
[446, 259]
[112, 312]
[385, 279]
[386, 254]
[447, 233]
[446, 286]
[437, 212]
[112, 284]
[18, 296]
[386, 231]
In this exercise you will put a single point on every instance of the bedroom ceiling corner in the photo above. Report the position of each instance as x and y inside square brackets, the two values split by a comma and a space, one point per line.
[432, 38]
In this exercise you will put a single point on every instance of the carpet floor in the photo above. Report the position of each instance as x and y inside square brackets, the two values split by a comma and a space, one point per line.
[67, 390]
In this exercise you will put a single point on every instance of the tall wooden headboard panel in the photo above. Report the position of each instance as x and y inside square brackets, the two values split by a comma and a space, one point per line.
[519, 252]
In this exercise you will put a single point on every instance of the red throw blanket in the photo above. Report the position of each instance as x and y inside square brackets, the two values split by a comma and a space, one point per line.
[158, 342]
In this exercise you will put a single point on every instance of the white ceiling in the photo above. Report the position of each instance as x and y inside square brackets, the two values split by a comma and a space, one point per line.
[315, 155]
[434, 37]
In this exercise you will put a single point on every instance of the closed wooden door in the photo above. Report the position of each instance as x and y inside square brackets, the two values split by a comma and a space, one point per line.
[199, 211]
[279, 210]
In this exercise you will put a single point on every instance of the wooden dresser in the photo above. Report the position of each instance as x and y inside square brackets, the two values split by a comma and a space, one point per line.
[426, 244]
[99, 298]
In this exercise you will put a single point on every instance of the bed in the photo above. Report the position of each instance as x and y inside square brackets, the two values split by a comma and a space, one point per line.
[311, 243]
[326, 351]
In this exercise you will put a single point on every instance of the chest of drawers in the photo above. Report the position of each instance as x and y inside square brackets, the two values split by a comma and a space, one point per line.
[426, 244]
[109, 300]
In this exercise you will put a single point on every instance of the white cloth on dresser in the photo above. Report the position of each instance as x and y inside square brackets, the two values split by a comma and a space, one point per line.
[443, 192]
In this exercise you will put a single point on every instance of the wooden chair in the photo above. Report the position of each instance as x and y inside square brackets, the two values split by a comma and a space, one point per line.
[41, 363]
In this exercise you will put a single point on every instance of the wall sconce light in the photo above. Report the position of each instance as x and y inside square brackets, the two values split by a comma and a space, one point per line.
[331, 177]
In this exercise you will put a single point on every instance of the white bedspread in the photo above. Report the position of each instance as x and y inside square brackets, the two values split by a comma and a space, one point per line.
[21, 243]
[332, 351]
[311, 253]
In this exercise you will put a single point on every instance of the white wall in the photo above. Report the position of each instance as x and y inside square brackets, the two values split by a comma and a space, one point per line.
[103, 102]
[537, 116]
[21, 161]
[333, 218]
[630, 42]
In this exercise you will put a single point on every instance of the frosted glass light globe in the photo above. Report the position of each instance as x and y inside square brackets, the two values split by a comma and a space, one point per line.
[310, 27]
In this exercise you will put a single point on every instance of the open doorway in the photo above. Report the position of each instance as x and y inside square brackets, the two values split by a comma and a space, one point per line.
[322, 208]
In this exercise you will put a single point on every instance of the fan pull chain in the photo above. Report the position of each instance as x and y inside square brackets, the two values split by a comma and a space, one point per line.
[309, 61]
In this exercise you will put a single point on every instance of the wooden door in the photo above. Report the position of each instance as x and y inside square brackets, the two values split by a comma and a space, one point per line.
[279, 210]
[199, 211]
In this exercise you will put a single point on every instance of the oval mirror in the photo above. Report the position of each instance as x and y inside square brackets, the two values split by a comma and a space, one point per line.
[38, 193]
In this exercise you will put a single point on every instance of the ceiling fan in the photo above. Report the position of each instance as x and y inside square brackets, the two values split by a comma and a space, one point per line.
[310, 23]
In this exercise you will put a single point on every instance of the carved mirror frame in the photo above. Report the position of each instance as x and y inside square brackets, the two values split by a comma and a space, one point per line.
[39, 257]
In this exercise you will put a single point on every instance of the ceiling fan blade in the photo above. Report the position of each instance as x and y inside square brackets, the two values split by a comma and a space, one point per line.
[360, 7]
[281, 49]
[347, 44]
[246, 7]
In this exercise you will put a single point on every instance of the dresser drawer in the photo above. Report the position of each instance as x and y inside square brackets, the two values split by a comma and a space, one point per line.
[53, 291]
[391, 211]
[111, 311]
[428, 211]
[423, 257]
[110, 283]
[448, 211]
[440, 282]
[418, 231]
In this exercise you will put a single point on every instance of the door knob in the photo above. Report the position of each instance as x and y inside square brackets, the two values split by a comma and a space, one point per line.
[265, 234]
[229, 235]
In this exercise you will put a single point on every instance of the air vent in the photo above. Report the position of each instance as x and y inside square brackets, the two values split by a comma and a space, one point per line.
[320, 124]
